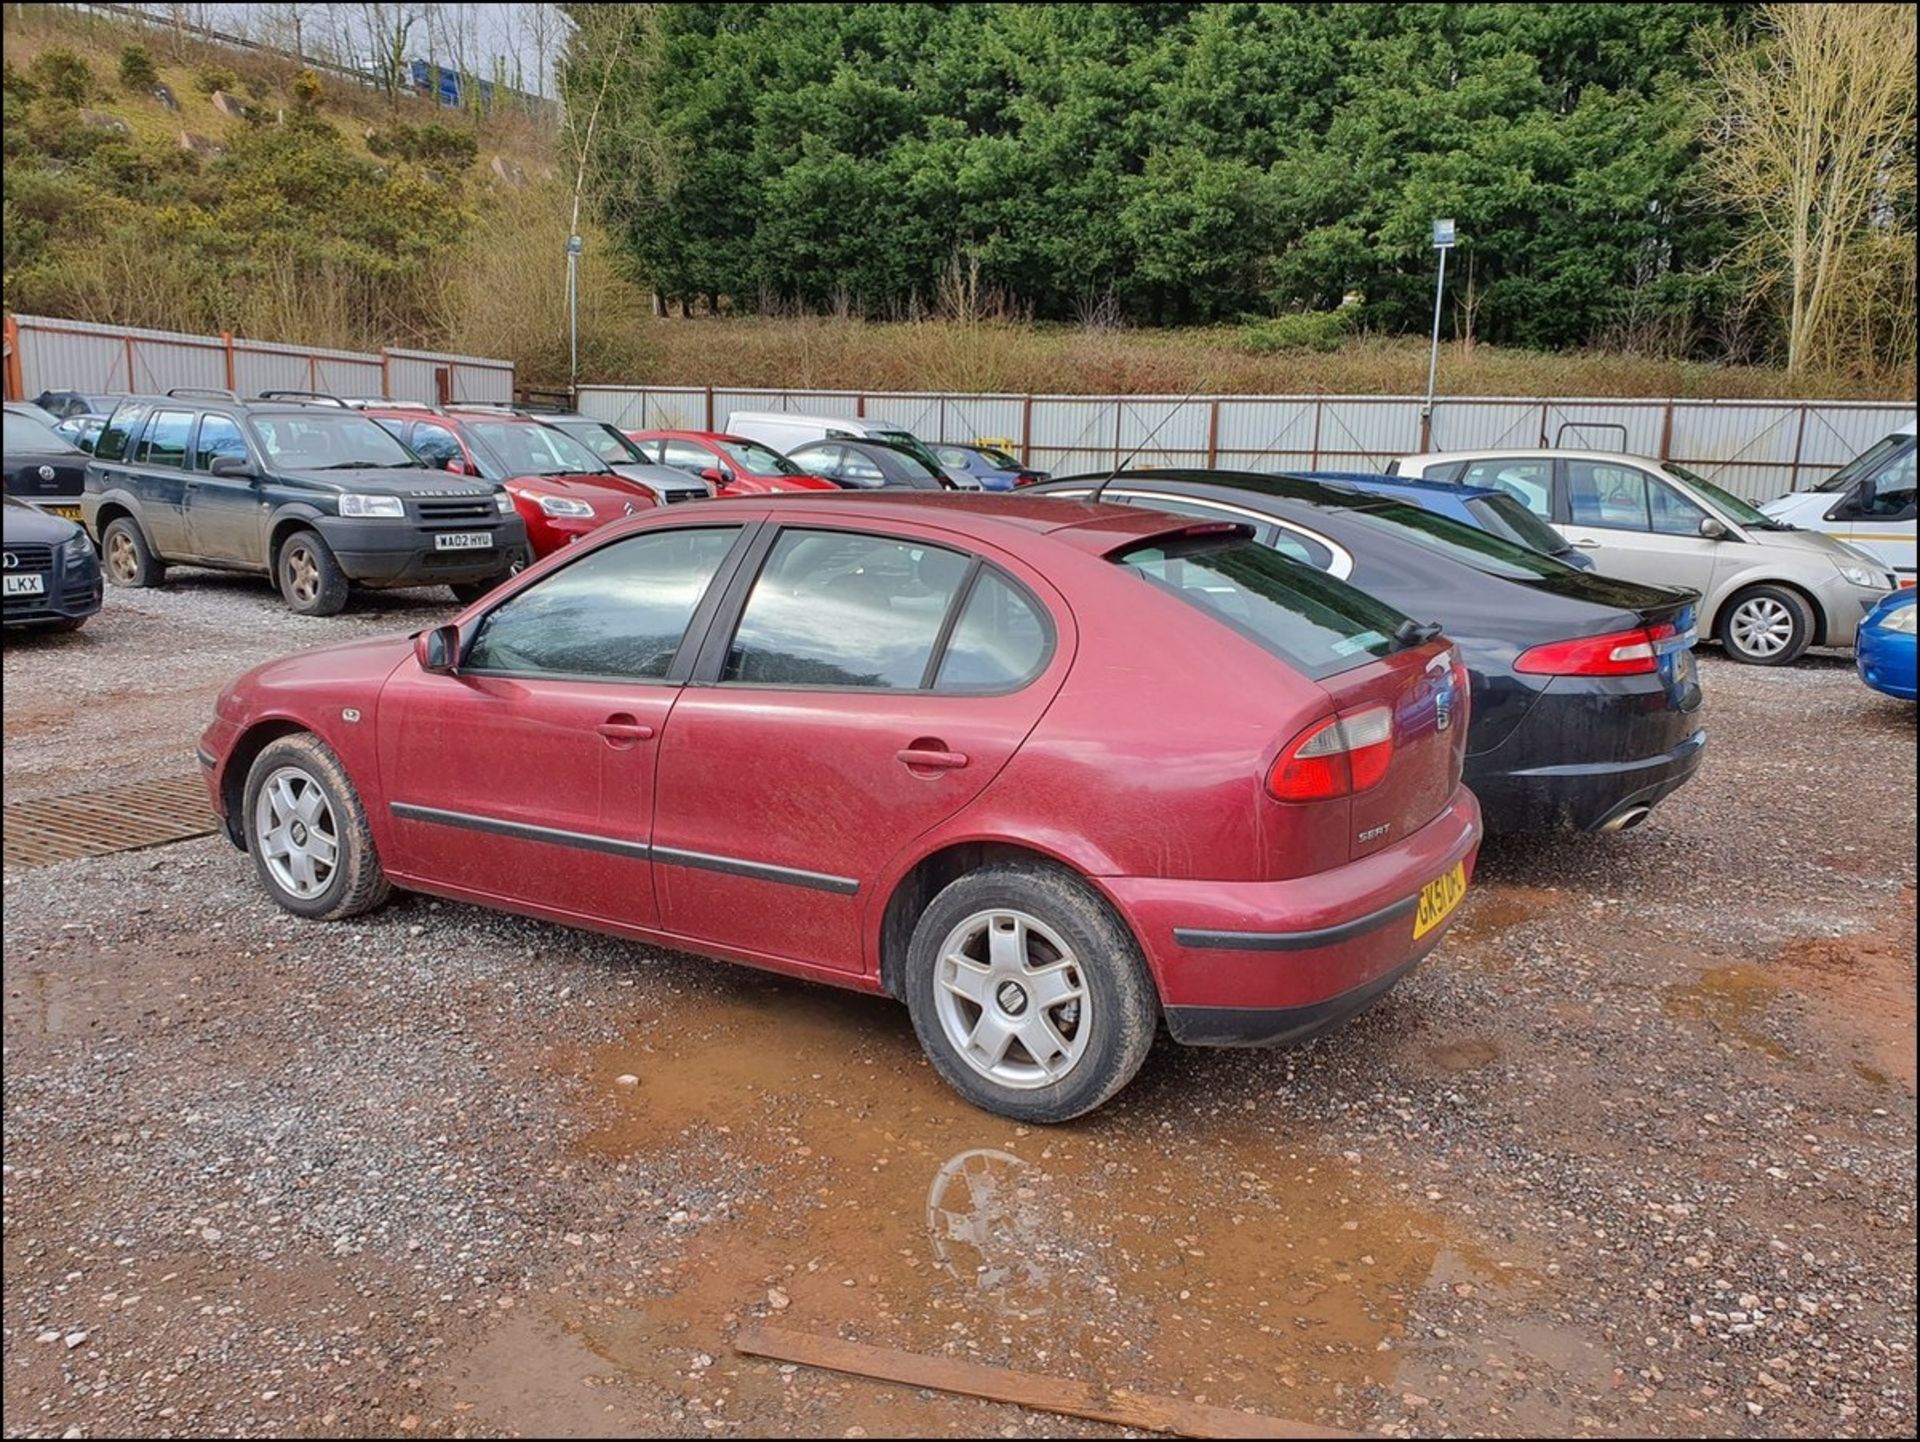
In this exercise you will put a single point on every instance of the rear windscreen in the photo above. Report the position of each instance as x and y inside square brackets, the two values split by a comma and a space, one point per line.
[1508, 518]
[1316, 624]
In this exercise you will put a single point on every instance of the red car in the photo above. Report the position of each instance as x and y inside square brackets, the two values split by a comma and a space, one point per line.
[735, 465]
[1045, 771]
[559, 487]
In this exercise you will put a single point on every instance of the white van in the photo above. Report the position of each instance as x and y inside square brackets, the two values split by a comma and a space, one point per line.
[785, 431]
[1868, 502]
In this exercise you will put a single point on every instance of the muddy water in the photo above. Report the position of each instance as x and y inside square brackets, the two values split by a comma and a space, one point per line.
[1733, 1002]
[1245, 1268]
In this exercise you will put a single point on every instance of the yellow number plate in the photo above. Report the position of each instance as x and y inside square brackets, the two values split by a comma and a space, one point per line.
[67, 513]
[1438, 899]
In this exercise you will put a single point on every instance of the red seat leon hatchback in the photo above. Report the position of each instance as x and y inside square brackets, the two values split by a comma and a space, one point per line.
[1046, 772]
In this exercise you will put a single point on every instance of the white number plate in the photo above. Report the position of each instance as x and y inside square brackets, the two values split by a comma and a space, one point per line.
[463, 541]
[26, 585]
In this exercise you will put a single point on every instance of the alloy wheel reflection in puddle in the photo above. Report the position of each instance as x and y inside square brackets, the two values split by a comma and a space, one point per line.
[992, 1230]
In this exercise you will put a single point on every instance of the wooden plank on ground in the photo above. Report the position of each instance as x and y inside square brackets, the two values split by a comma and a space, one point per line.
[1118, 1405]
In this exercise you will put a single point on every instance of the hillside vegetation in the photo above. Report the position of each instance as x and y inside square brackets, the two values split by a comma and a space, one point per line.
[289, 207]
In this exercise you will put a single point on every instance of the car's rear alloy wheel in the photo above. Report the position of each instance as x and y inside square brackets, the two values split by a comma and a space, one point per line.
[308, 832]
[129, 560]
[1028, 992]
[1013, 1000]
[1767, 626]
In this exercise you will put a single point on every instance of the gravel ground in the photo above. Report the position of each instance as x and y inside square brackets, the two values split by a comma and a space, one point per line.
[1634, 1153]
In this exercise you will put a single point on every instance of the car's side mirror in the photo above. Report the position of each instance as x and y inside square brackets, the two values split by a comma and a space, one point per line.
[238, 467]
[454, 466]
[719, 475]
[1713, 530]
[438, 650]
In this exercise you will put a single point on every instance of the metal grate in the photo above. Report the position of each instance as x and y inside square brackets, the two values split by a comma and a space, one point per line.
[113, 818]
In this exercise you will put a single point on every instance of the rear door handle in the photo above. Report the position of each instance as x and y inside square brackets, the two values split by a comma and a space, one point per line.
[1588, 544]
[622, 730]
[916, 759]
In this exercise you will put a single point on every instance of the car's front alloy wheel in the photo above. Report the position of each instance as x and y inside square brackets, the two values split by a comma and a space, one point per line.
[308, 832]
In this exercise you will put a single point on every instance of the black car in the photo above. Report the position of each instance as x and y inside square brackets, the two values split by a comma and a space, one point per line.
[43, 468]
[63, 404]
[868, 465]
[52, 573]
[1585, 700]
[306, 491]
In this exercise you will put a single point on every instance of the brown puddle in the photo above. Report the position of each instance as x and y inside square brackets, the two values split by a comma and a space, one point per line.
[1236, 1266]
[1496, 906]
[1731, 1000]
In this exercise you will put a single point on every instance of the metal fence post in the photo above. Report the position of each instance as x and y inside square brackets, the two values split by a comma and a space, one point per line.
[709, 408]
[132, 384]
[1026, 430]
[1319, 414]
[1799, 440]
[16, 386]
[1666, 433]
[226, 345]
[1213, 432]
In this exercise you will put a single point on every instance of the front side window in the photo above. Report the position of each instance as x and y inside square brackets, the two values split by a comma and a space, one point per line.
[619, 613]
[836, 608]
[686, 456]
[1870, 460]
[1890, 494]
[1671, 513]
[436, 445]
[219, 436]
[165, 443]
[1316, 624]
[329, 441]
[1528, 482]
[1599, 494]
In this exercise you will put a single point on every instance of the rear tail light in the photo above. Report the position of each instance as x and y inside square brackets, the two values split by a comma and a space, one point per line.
[1336, 757]
[1621, 653]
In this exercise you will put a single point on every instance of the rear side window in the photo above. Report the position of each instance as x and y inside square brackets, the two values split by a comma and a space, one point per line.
[1000, 641]
[166, 439]
[1528, 482]
[836, 608]
[1316, 624]
[686, 456]
[124, 423]
[618, 613]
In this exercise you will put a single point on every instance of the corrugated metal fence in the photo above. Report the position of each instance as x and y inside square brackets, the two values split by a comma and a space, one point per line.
[1757, 449]
[46, 354]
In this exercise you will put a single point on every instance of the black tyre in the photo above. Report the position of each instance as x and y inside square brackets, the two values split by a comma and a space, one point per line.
[1029, 995]
[1766, 626]
[310, 578]
[467, 592]
[307, 832]
[126, 556]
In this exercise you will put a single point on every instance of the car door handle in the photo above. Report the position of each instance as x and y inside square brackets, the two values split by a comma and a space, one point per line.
[1588, 544]
[622, 730]
[918, 759]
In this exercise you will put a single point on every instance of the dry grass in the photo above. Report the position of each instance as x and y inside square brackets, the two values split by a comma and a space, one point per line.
[815, 353]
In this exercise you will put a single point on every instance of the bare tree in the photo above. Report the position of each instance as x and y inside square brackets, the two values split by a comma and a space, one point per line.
[1813, 137]
[390, 34]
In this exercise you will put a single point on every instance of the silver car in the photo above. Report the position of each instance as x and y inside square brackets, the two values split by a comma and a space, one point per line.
[1768, 590]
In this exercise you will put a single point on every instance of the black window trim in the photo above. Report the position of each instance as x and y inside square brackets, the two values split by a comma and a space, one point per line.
[194, 468]
[711, 665]
[691, 641]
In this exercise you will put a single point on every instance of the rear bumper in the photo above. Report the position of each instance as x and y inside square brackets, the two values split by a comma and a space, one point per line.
[1580, 796]
[1247, 963]
[403, 553]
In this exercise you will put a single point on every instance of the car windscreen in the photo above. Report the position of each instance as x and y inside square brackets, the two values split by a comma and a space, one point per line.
[1316, 624]
[535, 450]
[1505, 517]
[1745, 512]
[1867, 462]
[329, 441]
[604, 441]
[758, 460]
[24, 433]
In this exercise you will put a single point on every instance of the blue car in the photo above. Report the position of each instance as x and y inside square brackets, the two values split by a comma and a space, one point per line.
[1884, 649]
[993, 468]
[1484, 509]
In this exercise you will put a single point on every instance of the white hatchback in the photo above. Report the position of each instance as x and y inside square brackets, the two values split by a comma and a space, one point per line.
[1768, 590]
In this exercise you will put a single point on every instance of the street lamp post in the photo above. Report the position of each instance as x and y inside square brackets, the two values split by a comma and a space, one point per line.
[573, 312]
[1442, 242]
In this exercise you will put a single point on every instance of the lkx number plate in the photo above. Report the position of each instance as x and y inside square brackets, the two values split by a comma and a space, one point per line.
[26, 585]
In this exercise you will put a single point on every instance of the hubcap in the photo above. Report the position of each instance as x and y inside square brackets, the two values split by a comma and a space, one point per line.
[120, 558]
[1012, 999]
[1762, 627]
[294, 831]
[303, 576]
